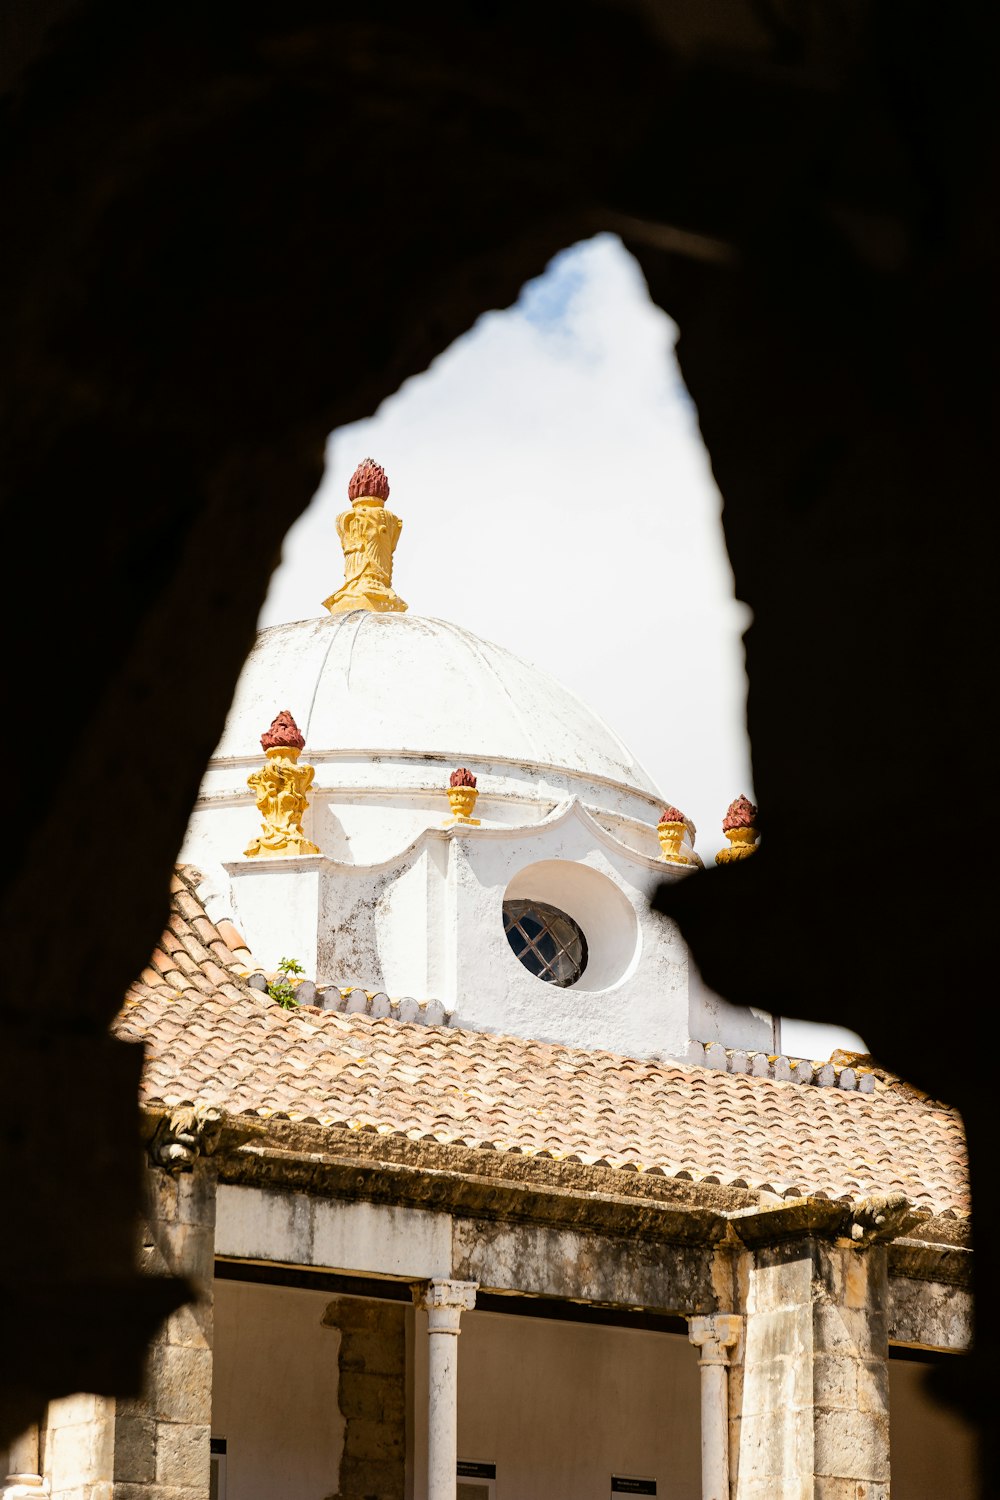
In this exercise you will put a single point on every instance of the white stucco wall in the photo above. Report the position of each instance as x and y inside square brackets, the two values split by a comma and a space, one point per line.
[276, 906]
[428, 923]
[275, 1392]
[406, 932]
[634, 998]
[560, 1406]
[364, 809]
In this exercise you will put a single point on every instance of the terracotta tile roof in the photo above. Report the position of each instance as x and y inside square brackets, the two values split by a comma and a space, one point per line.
[222, 1043]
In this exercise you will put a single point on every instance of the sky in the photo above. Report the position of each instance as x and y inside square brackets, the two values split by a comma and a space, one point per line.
[557, 499]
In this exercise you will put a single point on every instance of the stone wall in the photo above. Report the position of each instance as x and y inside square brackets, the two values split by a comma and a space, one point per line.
[157, 1444]
[372, 1397]
[161, 1440]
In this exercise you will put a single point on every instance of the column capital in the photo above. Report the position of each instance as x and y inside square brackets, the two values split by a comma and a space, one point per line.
[715, 1334]
[444, 1303]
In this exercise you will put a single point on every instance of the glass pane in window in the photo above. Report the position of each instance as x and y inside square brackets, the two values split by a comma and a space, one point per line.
[547, 941]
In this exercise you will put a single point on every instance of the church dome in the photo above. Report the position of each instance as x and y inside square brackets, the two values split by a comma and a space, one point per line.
[409, 810]
[389, 703]
[405, 685]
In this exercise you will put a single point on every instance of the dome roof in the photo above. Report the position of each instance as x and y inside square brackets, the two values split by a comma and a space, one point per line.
[402, 683]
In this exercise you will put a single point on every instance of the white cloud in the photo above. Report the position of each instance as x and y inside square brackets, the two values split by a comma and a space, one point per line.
[556, 498]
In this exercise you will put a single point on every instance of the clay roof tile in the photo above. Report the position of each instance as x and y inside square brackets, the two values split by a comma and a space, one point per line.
[210, 1037]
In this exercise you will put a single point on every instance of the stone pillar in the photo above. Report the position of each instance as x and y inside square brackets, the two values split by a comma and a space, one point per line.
[24, 1481]
[161, 1439]
[156, 1444]
[77, 1447]
[811, 1398]
[444, 1303]
[714, 1336]
[372, 1397]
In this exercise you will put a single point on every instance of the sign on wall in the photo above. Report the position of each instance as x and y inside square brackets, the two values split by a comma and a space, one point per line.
[476, 1480]
[631, 1484]
[466, 1469]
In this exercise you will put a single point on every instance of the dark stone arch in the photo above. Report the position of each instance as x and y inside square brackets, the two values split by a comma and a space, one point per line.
[233, 228]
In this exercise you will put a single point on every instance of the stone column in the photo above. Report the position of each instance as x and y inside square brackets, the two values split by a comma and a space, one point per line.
[372, 1397]
[155, 1445]
[812, 1393]
[444, 1303]
[715, 1336]
[77, 1447]
[24, 1482]
[161, 1439]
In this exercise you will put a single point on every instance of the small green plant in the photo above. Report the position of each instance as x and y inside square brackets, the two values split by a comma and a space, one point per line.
[282, 989]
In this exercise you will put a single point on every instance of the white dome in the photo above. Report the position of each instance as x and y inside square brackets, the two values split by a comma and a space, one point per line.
[374, 684]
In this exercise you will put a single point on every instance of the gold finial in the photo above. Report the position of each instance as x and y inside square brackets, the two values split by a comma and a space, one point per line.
[670, 830]
[280, 786]
[739, 826]
[368, 534]
[462, 794]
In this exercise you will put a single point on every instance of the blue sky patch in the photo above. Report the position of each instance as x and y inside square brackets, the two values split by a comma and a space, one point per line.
[546, 300]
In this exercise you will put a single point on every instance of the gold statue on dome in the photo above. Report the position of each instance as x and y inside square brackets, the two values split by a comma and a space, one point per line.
[280, 787]
[740, 827]
[368, 534]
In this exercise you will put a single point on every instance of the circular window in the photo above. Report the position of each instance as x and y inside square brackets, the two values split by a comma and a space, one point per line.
[548, 890]
[546, 940]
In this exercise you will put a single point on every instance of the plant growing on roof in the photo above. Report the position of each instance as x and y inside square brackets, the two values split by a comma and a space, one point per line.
[282, 988]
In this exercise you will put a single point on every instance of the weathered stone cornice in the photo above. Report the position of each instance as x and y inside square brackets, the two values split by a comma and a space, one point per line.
[796, 1218]
[507, 1186]
[466, 1196]
[294, 1153]
[917, 1260]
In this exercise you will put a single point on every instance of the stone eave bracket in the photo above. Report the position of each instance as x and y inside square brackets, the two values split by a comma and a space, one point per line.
[866, 1221]
[183, 1134]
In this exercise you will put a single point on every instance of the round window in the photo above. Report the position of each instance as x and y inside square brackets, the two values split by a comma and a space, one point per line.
[546, 941]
